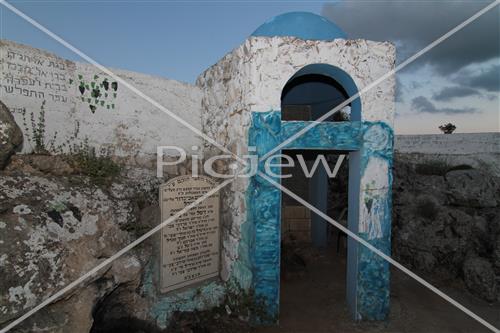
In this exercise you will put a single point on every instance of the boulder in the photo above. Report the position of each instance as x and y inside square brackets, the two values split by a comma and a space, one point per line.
[11, 136]
[496, 257]
[54, 229]
[440, 221]
[471, 188]
[479, 278]
[40, 165]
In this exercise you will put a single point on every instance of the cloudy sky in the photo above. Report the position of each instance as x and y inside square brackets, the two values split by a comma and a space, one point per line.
[456, 82]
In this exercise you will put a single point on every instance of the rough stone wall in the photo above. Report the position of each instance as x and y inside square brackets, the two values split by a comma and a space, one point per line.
[479, 150]
[450, 144]
[114, 118]
[447, 224]
[226, 119]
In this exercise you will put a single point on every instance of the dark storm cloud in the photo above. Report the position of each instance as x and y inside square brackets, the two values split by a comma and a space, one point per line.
[400, 88]
[487, 78]
[413, 25]
[449, 93]
[422, 104]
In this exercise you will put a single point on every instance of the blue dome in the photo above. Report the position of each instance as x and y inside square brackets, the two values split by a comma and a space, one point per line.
[303, 25]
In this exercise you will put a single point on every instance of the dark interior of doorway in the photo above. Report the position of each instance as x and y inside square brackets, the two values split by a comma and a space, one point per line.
[313, 278]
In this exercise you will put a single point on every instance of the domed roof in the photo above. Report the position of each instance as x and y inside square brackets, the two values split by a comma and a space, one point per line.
[303, 25]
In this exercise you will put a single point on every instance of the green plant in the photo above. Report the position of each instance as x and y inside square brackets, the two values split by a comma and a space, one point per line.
[37, 135]
[99, 167]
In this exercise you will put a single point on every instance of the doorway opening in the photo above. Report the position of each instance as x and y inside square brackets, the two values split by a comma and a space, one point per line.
[313, 252]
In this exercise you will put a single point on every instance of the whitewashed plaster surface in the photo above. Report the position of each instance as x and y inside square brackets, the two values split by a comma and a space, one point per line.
[125, 123]
[251, 78]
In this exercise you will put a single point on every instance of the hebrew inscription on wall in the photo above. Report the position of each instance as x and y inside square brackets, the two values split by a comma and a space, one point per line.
[34, 75]
[189, 244]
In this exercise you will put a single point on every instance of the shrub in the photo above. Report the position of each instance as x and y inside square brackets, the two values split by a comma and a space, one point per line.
[36, 133]
[100, 167]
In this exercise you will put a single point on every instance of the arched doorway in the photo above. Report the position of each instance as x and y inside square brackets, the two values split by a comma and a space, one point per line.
[313, 263]
[309, 96]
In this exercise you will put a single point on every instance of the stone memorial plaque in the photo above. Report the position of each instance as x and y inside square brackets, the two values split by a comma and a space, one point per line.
[190, 244]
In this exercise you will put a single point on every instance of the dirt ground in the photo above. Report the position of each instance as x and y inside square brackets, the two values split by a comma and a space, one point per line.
[313, 301]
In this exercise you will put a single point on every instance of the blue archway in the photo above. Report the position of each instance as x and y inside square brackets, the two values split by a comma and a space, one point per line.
[368, 275]
[340, 76]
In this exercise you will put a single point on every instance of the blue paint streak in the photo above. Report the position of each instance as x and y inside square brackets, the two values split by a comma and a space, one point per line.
[264, 213]
[326, 135]
[373, 140]
[373, 289]
[162, 306]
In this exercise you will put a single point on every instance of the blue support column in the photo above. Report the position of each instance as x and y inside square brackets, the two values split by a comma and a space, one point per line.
[264, 212]
[370, 181]
[318, 194]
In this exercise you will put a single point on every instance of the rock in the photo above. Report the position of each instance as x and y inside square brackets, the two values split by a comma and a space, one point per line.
[440, 221]
[496, 257]
[482, 241]
[11, 136]
[39, 165]
[471, 188]
[51, 233]
[479, 278]
[126, 269]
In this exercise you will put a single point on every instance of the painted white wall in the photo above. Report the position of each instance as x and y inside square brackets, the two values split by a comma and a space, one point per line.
[250, 79]
[130, 127]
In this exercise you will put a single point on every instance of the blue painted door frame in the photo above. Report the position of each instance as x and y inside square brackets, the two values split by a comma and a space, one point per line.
[368, 275]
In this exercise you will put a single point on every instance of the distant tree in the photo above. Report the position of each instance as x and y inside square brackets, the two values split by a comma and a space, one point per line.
[448, 128]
